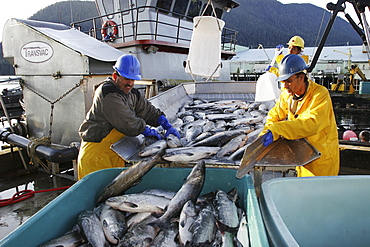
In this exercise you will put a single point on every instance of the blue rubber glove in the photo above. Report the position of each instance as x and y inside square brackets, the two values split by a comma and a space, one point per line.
[162, 120]
[268, 68]
[151, 132]
[172, 131]
[279, 48]
[267, 138]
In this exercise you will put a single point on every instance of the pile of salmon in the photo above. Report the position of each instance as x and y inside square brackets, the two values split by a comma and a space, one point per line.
[157, 217]
[219, 130]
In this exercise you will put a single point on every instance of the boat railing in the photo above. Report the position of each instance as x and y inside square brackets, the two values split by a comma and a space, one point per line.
[137, 24]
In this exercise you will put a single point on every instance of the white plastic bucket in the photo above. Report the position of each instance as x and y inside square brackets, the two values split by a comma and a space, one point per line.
[267, 87]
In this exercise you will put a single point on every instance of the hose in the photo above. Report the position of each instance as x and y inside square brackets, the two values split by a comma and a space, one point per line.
[25, 194]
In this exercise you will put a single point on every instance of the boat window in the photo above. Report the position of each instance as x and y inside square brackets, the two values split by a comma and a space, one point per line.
[194, 8]
[180, 6]
[164, 4]
[210, 12]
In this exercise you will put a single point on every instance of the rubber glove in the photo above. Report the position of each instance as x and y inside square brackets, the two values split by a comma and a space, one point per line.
[162, 120]
[279, 48]
[151, 132]
[267, 138]
[268, 68]
[172, 131]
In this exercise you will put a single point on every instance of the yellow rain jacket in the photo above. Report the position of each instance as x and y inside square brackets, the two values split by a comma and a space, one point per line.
[278, 60]
[314, 120]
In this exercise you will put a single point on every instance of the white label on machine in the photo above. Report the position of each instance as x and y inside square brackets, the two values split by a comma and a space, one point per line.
[37, 52]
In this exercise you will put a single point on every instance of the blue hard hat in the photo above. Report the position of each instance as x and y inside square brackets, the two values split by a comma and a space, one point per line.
[128, 66]
[290, 65]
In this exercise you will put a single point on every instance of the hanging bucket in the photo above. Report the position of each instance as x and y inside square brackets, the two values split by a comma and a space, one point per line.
[204, 58]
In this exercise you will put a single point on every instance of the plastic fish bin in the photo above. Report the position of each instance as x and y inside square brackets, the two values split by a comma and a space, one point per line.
[60, 215]
[317, 211]
[364, 87]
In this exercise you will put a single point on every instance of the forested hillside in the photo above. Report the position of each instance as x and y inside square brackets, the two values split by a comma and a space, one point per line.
[266, 22]
[269, 22]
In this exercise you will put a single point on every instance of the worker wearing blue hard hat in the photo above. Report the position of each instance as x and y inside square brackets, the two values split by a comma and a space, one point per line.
[118, 110]
[304, 110]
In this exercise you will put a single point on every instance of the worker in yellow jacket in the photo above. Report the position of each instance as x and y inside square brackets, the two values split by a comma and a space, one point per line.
[295, 46]
[304, 110]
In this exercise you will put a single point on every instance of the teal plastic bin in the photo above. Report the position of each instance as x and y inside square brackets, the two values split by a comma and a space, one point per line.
[317, 211]
[364, 87]
[61, 214]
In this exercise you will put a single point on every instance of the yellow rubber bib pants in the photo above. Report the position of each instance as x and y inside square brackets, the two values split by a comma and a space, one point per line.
[97, 156]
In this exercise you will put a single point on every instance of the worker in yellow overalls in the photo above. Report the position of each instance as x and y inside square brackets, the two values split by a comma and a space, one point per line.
[118, 110]
[304, 110]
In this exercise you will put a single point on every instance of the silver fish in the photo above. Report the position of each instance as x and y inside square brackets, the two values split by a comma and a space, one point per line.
[129, 177]
[202, 136]
[214, 117]
[243, 234]
[220, 138]
[204, 227]
[70, 239]
[173, 141]
[138, 202]
[232, 145]
[193, 132]
[153, 148]
[226, 212]
[188, 154]
[169, 194]
[166, 237]
[187, 217]
[92, 229]
[141, 234]
[247, 120]
[238, 154]
[188, 119]
[189, 191]
[209, 126]
[114, 224]
[136, 218]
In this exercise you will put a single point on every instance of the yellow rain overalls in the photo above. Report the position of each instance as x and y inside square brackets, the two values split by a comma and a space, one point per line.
[99, 156]
[314, 120]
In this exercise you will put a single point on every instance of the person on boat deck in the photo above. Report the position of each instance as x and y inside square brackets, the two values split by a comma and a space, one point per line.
[295, 46]
[118, 110]
[364, 136]
[304, 110]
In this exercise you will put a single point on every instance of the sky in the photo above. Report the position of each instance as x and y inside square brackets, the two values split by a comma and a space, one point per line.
[23, 9]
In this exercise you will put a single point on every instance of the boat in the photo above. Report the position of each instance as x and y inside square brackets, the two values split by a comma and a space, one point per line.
[58, 95]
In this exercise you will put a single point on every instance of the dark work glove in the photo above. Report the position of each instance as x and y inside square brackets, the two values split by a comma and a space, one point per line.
[267, 138]
[151, 132]
[162, 120]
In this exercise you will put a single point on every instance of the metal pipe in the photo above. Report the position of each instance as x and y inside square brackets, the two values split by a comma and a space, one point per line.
[336, 8]
[56, 155]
